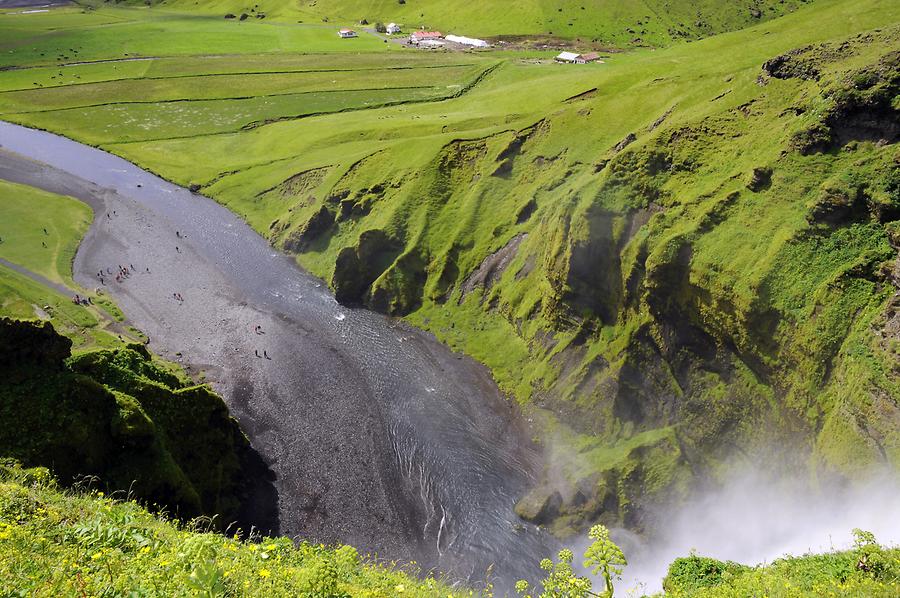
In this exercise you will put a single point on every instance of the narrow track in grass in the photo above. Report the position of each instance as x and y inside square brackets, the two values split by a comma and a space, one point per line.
[222, 99]
[385, 69]
[459, 93]
[56, 286]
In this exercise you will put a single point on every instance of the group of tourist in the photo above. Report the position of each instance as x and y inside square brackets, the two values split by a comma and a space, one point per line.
[79, 300]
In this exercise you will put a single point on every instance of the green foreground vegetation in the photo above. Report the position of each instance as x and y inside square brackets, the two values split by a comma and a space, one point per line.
[56, 542]
[868, 570]
[64, 543]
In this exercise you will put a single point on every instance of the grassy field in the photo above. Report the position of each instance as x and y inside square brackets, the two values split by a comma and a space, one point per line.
[41, 230]
[68, 35]
[303, 72]
[618, 22]
[139, 109]
[26, 213]
[698, 247]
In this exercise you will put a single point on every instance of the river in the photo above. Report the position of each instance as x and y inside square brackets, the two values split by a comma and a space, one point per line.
[377, 435]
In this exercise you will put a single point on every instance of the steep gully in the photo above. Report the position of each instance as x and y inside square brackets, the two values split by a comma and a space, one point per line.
[376, 434]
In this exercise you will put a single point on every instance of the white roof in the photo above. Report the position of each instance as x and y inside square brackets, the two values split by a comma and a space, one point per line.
[568, 55]
[467, 41]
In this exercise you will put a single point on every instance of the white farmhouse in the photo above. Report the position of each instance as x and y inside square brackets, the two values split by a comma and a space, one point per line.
[346, 33]
[568, 57]
[393, 28]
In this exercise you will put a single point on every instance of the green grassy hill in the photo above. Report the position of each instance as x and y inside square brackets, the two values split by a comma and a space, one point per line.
[608, 22]
[677, 259]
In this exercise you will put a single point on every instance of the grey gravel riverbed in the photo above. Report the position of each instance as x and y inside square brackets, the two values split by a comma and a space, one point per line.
[377, 434]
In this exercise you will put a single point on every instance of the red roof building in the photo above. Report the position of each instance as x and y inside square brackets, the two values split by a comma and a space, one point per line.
[589, 57]
[419, 36]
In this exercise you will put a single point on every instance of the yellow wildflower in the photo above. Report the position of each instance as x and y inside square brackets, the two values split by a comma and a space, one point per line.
[264, 573]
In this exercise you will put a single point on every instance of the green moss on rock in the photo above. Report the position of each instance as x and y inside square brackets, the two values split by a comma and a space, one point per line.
[117, 415]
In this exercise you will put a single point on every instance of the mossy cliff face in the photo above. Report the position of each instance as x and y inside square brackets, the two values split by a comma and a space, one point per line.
[116, 415]
[715, 285]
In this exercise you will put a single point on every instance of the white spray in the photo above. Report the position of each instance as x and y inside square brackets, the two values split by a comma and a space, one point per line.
[754, 519]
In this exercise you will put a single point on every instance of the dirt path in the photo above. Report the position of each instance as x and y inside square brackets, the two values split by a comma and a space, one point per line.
[59, 288]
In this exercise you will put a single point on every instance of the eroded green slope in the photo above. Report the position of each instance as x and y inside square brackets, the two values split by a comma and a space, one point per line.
[682, 277]
[117, 415]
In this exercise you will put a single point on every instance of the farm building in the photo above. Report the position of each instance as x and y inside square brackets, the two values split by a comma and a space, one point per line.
[393, 28]
[421, 36]
[568, 57]
[345, 33]
[589, 57]
[467, 41]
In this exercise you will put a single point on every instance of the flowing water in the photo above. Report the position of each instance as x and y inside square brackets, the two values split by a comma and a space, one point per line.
[377, 435]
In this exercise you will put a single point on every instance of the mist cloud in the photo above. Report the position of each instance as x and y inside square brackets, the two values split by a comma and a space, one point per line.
[755, 518]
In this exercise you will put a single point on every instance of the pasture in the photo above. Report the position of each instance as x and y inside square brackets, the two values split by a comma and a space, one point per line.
[25, 214]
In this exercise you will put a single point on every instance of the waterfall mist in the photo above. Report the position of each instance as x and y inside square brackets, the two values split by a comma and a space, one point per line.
[755, 518]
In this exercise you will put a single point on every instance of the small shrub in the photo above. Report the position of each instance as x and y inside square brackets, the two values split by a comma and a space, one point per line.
[870, 557]
[691, 573]
[602, 557]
